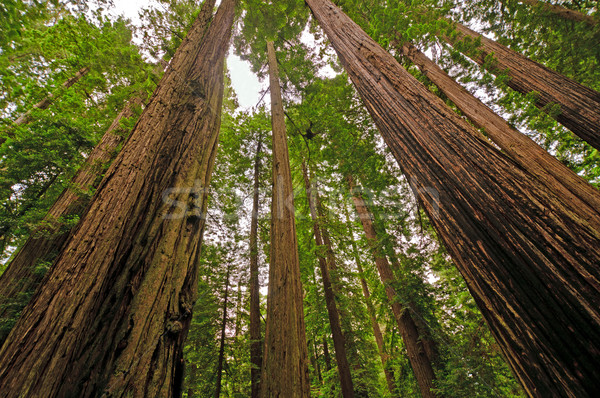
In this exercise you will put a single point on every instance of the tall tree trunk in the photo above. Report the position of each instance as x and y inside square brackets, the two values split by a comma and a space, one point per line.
[417, 355]
[238, 309]
[339, 341]
[255, 338]
[326, 354]
[519, 147]
[20, 279]
[285, 361]
[113, 312]
[560, 11]
[425, 335]
[530, 262]
[222, 342]
[579, 105]
[389, 375]
[46, 102]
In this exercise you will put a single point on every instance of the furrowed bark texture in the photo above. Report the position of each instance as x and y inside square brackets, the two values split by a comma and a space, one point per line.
[339, 341]
[555, 175]
[566, 13]
[579, 105]
[20, 279]
[389, 376]
[530, 262]
[417, 354]
[285, 360]
[256, 342]
[113, 312]
[222, 343]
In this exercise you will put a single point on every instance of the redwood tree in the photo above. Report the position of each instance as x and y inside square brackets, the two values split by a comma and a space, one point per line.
[255, 339]
[326, 264]
[22, 275]
[417, 353]
[285, 361]
[529, 260]
[113, 312]
[579, 105]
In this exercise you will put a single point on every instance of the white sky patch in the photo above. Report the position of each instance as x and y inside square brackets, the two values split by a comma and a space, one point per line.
[245, 83]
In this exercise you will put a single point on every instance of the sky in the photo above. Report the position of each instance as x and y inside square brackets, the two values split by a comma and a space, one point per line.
[244, 82]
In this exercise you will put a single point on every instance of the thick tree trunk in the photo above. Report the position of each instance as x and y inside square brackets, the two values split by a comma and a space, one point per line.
[566, 13]
[417, 354]
[222, 342]
[339, 341]
[389, 376]
[579, 105]
[113, 312]
[522, 149]
[285, 361]
[255, 338]
[530, 262]
[20, 279]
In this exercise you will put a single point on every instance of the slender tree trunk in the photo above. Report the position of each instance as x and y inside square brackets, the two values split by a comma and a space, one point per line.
[579, 105]
[417, 355]
[565, 13]
[222, 343]
[255, 338]
[20, 279]
[427, 340]
[530, 262]
[389, 375]
[316, 364]
[113, 312]
[238, 309]
[326, 354]
[46, 102]
[285, 361]
[339, 341]
[519, 147]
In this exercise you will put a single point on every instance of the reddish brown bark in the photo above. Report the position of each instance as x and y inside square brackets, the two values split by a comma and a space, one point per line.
[522, 149]
[221, 359]
[389, 376]
[326, 263]
[565, 13]
[20, 279]
[579, 105]
[285, 360]
[46, 102]
[530, 262]
[255, 338]
[417, 355]
[113, 312]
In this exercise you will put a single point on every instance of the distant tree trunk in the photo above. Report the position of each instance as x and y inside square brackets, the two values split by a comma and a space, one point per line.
[530, 262]
[389, 375]
[519, 147]
[316, 364]
[285, 361]
[565, 13]
[238, 309]
[46, 102]
[326, 354]
[222, 342]
[113, 312]
[339, 341]
[417, 355]
[424, 329]
[255, 338]
[579, 105]
[20, 279]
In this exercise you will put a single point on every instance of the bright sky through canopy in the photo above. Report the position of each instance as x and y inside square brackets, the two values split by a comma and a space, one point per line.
[245, 83]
